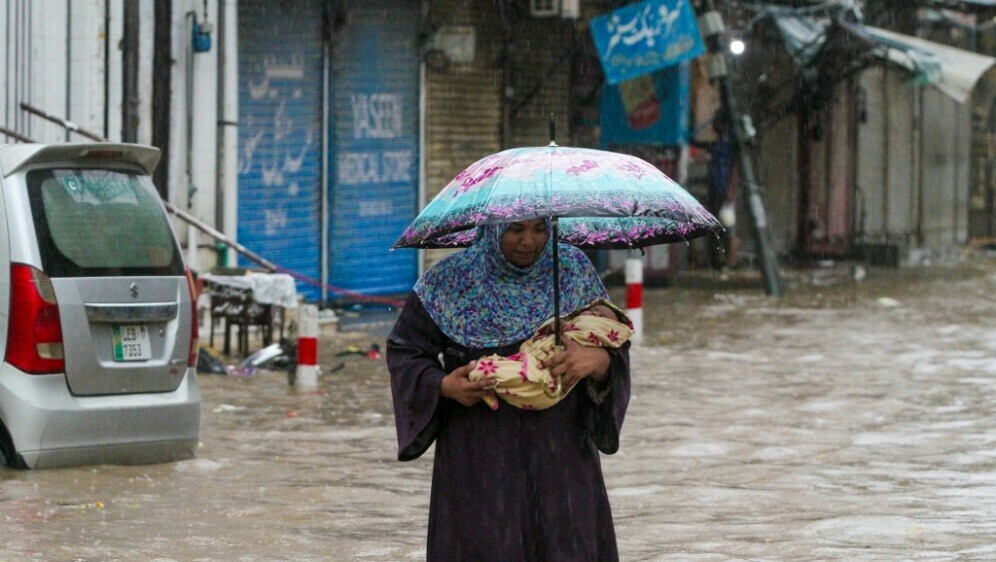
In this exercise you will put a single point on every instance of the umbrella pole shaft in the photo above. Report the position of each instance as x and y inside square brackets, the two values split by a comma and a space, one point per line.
[556, 286]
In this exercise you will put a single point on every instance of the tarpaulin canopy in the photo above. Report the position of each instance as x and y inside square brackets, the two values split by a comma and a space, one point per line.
[838, 41]
[951, 70]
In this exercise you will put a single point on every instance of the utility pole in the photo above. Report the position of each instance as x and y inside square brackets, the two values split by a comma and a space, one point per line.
[712, 27]
[162, 94]
[129, 94]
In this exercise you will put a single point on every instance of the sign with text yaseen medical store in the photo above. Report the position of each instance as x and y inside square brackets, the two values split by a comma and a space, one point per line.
[644, 37]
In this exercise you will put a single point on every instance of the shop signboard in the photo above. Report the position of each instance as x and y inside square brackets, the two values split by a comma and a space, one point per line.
[645, 37]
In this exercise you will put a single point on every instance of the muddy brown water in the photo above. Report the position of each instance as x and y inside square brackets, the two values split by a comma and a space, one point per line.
[846, 421]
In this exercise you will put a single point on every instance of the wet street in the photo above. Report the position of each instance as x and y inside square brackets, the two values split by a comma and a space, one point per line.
[849, 420]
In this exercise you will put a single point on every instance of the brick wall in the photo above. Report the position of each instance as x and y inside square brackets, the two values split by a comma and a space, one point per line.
[463, 101]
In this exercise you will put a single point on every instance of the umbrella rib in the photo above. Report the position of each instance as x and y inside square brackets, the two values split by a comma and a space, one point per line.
[495, 181]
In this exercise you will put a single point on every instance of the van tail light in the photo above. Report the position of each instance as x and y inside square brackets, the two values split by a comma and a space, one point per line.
[194, 332]
[34, 336]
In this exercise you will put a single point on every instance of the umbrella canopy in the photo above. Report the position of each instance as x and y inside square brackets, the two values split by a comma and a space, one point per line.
[605, 200]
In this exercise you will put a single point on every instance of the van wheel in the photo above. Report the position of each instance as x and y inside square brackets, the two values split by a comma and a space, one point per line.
[8, 455]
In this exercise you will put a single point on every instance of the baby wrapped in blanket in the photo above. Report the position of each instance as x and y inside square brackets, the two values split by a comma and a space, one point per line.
[524, 381]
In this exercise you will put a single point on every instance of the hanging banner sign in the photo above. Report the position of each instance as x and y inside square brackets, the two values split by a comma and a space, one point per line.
[644, 37]
[651, 109]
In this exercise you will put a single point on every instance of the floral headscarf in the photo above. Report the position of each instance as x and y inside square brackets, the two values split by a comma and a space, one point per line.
[481, 300]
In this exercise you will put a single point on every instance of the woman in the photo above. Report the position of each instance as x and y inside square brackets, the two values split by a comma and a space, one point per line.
[512, 484]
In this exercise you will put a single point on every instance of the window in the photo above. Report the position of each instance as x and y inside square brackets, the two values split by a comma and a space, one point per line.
[92, 223]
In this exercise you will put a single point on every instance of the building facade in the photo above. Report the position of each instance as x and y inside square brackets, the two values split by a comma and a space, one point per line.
[313, 131]
[310, 132]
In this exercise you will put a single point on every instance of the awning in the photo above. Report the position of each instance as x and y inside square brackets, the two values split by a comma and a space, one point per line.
[951, 70]
[829, 46]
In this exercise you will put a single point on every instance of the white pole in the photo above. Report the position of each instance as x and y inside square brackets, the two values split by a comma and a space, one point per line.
[307, 348]
[634, 295]
[229, 164]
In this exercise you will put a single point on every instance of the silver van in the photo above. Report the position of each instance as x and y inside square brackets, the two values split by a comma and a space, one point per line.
[98, 334]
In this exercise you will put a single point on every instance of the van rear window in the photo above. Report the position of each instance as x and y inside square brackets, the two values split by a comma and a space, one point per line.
[96, 223]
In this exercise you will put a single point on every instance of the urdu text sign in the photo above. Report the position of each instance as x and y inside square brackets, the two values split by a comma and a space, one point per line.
[646, 36]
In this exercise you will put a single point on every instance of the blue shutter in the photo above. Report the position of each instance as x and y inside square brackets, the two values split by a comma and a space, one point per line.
[280, 134]
[374, 187]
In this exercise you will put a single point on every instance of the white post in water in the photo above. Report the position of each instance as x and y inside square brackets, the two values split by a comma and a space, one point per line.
[307, 348]
[634, 295]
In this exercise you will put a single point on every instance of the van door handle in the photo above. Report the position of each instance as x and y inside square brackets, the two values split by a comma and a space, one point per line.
[125, 313]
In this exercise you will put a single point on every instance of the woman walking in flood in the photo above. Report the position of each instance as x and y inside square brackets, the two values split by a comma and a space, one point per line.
[512, 484]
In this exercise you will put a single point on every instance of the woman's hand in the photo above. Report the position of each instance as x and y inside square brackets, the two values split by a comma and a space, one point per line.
[458, 386]
[577, 362]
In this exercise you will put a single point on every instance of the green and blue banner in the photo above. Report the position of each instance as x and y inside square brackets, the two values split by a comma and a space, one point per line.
[644, 37]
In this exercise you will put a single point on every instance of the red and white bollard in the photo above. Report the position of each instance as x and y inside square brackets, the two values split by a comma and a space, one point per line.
[306, 377]
[634, 295]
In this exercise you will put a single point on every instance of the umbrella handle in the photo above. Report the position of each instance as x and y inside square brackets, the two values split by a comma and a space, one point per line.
[556, 282]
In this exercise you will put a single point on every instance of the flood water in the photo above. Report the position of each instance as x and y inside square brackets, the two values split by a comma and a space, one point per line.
[846, 421]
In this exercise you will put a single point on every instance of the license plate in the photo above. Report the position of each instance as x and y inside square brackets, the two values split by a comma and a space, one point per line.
[131, 343]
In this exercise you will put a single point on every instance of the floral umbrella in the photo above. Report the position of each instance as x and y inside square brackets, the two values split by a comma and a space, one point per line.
[607, 200]
[598, 199]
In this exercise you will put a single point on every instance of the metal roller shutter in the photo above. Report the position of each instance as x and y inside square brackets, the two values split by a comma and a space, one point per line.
[280, 134]
[374, 184]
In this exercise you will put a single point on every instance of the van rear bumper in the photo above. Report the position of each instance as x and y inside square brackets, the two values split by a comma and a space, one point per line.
[50, 427]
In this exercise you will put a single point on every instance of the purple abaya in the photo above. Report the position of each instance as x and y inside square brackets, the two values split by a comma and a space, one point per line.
[508, 485]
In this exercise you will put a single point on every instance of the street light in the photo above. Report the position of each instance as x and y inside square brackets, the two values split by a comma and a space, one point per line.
[737, 47]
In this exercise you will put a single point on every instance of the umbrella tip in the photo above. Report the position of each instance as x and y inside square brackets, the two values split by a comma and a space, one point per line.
[553, 131]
